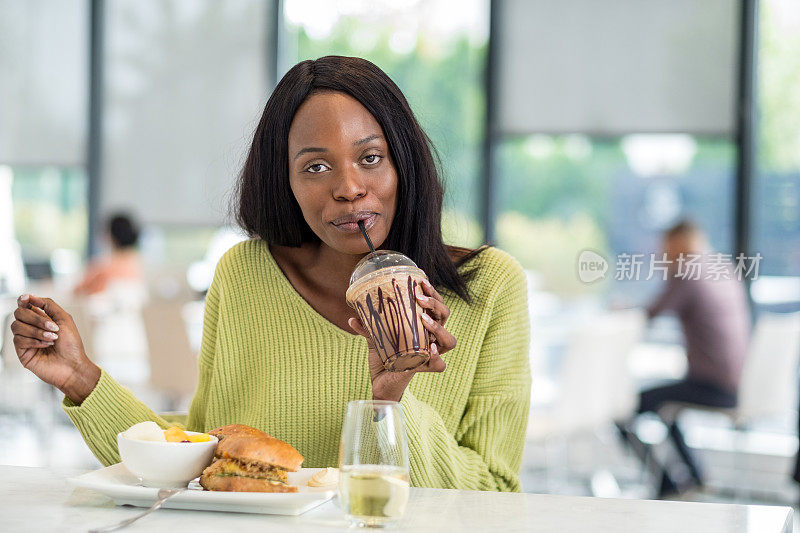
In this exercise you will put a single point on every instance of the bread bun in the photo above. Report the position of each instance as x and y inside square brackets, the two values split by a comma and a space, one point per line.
[248, 445]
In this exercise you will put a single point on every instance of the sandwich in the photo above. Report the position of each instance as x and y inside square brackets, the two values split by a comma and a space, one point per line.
[249, 460]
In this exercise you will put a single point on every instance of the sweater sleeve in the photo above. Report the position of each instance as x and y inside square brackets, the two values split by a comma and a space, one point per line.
[486, 451]
[111, 408]
[670, 300]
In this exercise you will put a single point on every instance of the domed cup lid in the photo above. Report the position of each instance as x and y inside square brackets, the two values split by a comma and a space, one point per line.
[379, 260]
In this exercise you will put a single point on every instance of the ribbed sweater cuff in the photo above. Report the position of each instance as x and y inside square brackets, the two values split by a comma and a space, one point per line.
[109, 409]
[438, 460]
[415, 427]
[428, 440]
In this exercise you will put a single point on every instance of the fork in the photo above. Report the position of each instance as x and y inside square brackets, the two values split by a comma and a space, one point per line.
[163, 495]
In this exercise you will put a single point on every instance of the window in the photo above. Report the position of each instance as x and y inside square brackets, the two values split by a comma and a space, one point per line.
[436, 53]
[43, 44]
[185, 83]
[560, 195]
[50, 210]
[776, 190]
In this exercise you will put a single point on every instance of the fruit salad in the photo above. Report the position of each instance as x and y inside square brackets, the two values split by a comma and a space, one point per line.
[151, 431]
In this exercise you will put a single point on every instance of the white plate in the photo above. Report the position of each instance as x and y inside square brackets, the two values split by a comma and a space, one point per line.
[124, 488]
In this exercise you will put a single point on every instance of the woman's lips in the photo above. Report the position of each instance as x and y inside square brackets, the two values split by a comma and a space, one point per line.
[352, 227]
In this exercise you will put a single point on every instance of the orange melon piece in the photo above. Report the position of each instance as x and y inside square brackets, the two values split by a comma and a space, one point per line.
[175, 434]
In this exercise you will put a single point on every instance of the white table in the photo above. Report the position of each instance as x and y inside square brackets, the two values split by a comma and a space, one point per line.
[39, 499]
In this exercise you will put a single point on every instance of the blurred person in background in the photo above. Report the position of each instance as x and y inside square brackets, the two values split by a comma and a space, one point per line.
[123, 263]
[711, 305]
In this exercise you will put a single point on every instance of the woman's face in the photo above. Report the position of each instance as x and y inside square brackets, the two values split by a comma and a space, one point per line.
[340, 171]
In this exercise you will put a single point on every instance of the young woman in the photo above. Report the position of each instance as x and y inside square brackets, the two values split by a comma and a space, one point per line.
[337, 143]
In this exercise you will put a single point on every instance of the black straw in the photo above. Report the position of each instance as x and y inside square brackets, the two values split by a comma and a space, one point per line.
[366, 237]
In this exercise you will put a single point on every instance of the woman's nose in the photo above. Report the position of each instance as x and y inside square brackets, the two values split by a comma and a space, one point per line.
[349, 186]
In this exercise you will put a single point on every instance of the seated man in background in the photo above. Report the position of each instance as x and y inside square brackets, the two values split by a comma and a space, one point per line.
[710, 302]
[122, 264]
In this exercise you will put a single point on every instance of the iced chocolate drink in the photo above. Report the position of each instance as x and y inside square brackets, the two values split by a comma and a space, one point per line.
[383, 291]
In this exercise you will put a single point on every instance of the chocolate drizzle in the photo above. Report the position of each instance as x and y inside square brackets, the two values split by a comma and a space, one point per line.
[393, 321]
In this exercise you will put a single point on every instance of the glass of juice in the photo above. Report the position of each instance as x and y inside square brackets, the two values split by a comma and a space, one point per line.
[373, 463]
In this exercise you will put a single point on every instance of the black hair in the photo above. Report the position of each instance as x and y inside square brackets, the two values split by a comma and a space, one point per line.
[123, 231]
[267, 208]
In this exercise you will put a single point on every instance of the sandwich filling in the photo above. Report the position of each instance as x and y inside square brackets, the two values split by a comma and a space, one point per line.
[232, 467]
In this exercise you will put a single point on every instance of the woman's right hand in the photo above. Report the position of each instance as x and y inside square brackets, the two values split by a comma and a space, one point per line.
[49, 345]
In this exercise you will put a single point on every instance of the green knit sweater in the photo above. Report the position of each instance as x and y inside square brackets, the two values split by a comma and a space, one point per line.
[269, 360]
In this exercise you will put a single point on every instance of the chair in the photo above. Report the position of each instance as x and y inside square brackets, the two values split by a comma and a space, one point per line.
[113, 320]
[22, 394]
[594, 387]
[169, 284]
[8, 356]
[769, 382]
[173, 364]
[769, 378]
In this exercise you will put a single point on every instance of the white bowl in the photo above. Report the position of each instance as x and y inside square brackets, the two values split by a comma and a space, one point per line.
[166, 464]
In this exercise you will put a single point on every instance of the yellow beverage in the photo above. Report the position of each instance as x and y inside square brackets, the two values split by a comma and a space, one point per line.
[373, 494]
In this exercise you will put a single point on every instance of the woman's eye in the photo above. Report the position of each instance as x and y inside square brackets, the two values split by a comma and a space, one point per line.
[372, 159]
[316, 168]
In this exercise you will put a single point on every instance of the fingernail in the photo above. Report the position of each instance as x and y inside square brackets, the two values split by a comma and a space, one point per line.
[422, 298]
[52, 326]
[49, 335]
[426, 318]
[24, 298]
[434, 349]
[48, 344]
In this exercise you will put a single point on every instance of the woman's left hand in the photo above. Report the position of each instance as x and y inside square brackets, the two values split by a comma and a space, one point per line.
[391, 385]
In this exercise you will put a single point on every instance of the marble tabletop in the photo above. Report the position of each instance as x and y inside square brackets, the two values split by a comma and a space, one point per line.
[40, 499]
